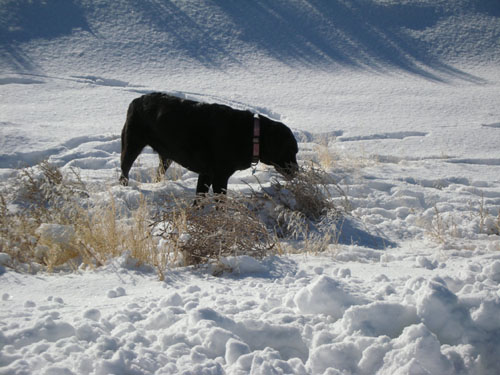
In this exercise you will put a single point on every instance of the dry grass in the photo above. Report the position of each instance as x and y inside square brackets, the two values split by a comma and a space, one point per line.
[305, 209]
[17, 235]
[450, 229]
[50, 221]
[441, 229]
[105, 235]
[488, 223]
[55, 224]
[42, 195]
[326, 157]
[330, 157]
[313, 237]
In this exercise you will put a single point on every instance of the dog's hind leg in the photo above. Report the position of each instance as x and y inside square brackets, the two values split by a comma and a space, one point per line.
[162, 168]
[202, 187]
[204, 183]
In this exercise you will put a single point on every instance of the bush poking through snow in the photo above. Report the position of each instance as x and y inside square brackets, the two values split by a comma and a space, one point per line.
[46, 192]
[42, 195]
[49, 221]
[449, 229]
[308, 208]
[488, 224]
[310, 193]
[215, 227]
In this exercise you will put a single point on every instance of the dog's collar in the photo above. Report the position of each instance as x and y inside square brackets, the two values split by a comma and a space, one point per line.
[256, 140]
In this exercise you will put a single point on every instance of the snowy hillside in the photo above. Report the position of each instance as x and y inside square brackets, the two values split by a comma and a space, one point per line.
[127, 37]
[397, 100]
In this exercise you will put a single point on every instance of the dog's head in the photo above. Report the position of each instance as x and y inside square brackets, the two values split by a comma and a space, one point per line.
[279, 148]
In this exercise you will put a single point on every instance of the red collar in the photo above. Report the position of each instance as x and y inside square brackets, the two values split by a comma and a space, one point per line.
[256, 140]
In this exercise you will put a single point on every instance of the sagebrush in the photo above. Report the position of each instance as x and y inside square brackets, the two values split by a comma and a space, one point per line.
[214, 227]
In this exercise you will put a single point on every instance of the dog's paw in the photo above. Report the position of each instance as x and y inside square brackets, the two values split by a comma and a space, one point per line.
[123, 181]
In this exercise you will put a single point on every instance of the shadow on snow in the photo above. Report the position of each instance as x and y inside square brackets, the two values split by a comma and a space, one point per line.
[359, 34]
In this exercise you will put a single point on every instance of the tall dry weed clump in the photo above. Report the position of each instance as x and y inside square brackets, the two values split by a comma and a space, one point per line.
[308, 208]
[49, 220]
[41, 195]
[213, 228]
[312, 192]
[104, 233]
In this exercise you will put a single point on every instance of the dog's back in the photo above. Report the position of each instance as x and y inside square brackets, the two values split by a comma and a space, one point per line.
[201, 137]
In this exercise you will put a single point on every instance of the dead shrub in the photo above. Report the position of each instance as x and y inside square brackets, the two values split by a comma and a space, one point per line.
[17, 234]
[214, 227]
[309, 208]
[47, 194]
[312, 192]
[307, 211]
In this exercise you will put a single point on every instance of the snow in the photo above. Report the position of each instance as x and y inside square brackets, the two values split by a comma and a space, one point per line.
[401, 97]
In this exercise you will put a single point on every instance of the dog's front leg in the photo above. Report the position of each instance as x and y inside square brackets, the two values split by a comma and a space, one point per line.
[220, 183]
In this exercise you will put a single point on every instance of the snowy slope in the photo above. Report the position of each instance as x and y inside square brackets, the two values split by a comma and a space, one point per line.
[402, 96]
[125, 36]
[326, 60]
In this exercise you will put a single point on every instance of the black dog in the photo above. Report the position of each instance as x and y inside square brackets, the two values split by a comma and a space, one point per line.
[212, 140]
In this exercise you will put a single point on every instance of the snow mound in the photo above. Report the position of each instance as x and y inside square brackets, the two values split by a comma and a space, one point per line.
[326, 296]
[379, 319]
[416, 351]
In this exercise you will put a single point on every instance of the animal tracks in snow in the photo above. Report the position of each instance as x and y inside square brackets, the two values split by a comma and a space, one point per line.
[338, 135]
[303, 136]
[493, 125]
[390, 193]
[89, 153]
[100, 81]
[478, 161]
[83, 152]
[20, 81]
[37, 79]
[392, 135]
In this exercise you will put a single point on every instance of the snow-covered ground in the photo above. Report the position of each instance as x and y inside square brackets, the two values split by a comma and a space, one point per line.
[402, 98]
